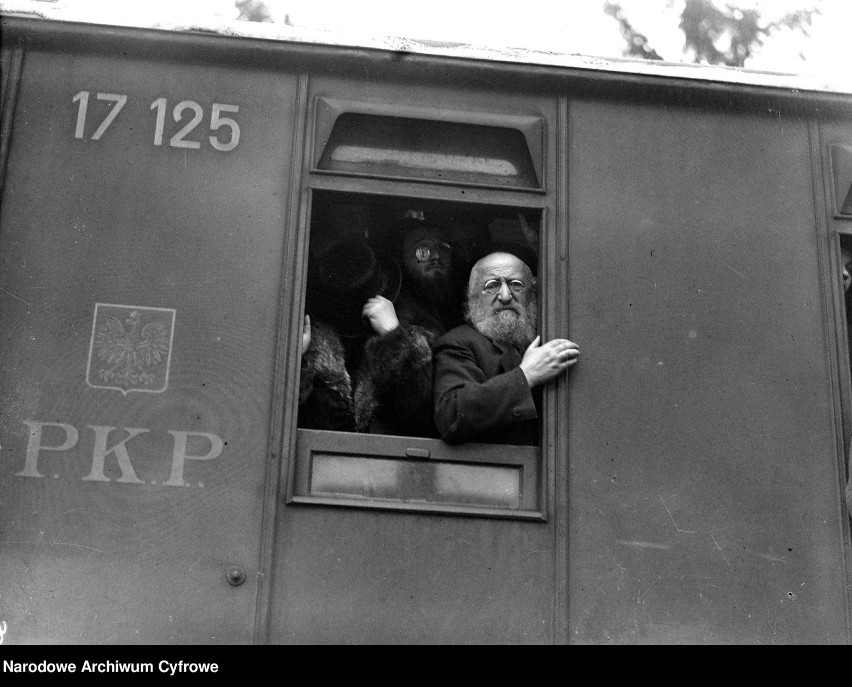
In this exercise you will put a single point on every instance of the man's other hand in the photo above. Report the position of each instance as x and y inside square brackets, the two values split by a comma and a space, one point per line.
[381, 315]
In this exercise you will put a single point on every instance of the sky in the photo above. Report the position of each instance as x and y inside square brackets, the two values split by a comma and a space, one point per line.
[565, 26]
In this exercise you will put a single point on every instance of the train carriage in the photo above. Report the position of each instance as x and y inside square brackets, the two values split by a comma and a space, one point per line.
[164, 197]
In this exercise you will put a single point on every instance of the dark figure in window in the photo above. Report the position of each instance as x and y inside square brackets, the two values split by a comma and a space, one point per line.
[393, 384]
[489, 372]
[372, 362]
[342, 277]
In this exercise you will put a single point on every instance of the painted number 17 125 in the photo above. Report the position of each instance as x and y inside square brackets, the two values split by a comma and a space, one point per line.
[189, 113]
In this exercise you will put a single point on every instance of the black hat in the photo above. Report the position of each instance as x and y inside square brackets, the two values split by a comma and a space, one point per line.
[343, 278]
[414, 220]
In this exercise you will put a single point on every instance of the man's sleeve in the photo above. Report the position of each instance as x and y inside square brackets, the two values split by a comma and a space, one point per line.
[467, 404]
[399, 368]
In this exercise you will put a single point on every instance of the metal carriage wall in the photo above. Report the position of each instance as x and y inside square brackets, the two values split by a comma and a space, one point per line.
[691, 470]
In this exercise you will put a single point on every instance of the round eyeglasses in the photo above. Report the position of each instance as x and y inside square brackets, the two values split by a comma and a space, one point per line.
[492, 286]
[425, 251]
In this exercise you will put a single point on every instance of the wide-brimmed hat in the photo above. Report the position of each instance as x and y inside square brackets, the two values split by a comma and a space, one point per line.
[342, 278]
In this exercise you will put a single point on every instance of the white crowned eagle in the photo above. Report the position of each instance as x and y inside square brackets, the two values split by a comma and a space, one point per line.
[130, 350]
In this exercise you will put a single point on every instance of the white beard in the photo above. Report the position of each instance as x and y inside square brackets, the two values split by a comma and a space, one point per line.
[510, 327]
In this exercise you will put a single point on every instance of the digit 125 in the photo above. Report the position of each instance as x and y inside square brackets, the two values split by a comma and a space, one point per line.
[178, 140]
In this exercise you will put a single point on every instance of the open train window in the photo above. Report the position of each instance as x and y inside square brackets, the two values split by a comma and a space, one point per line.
[845, 269]
[841, 170]
[845, 272]
[366, 435]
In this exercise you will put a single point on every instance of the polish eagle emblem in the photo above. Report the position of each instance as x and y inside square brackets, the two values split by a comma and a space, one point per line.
[132, 353]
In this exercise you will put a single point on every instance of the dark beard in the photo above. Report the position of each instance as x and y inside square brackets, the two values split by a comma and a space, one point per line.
[516, 329]
[435, 292]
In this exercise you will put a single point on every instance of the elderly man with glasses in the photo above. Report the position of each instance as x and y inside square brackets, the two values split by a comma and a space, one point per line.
[488, 372]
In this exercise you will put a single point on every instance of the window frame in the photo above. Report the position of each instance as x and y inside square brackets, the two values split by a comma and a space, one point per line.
[833, 229]
[552, 318]
[327, 110]
[417, 450]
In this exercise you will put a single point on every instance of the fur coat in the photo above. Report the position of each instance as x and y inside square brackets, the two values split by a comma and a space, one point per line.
[393, 384]
[325, 387]
[392, 388]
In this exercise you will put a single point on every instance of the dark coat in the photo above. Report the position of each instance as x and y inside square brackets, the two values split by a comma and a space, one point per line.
[480, 392]
[393, 384]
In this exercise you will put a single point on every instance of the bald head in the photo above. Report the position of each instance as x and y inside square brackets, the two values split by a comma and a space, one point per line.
[495, 265]
[501, 299]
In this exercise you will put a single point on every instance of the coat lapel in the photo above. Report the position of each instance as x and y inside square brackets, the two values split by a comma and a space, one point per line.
[509, 357]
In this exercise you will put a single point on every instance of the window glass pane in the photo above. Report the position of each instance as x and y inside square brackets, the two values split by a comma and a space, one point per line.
[428, 149]
[418, 481]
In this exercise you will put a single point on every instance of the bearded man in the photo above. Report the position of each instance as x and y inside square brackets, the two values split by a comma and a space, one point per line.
[393, 384]
[489, 372]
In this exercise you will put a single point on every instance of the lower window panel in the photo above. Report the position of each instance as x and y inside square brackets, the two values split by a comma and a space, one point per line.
[414, 474]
